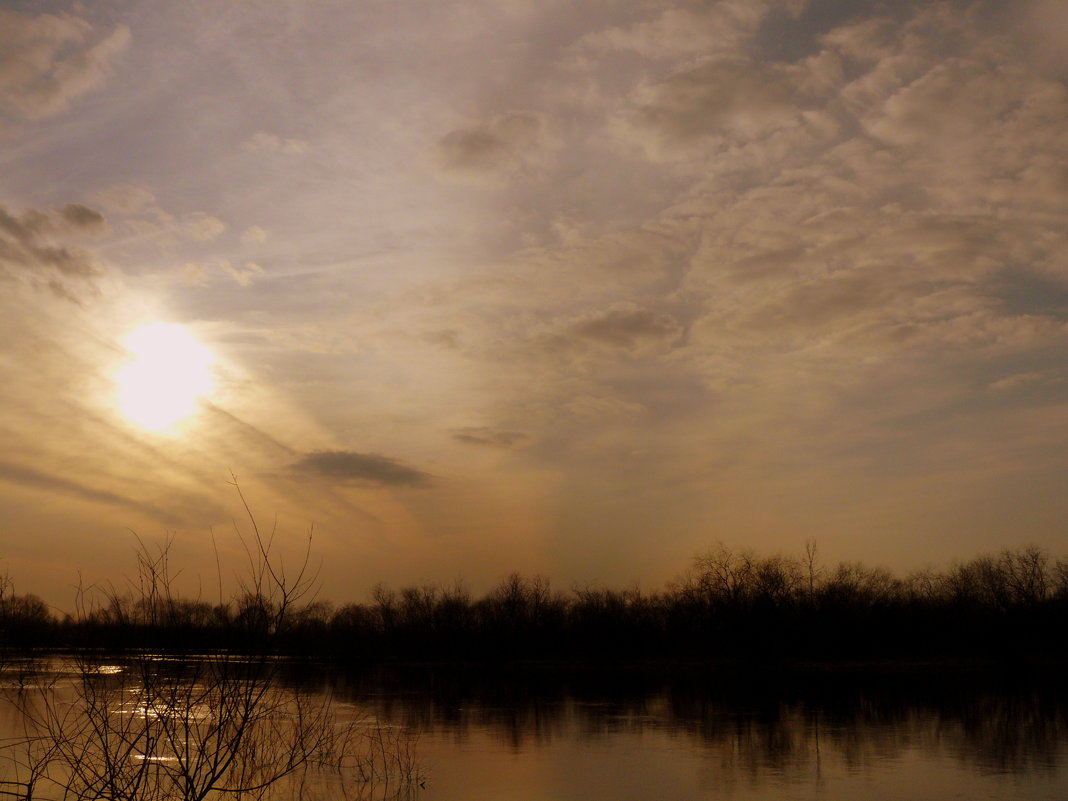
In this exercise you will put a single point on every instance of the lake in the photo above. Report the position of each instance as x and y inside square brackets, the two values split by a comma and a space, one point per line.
[540, 734]
[746, 735]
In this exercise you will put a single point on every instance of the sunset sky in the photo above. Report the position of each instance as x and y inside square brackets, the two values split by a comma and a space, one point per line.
[570, 287]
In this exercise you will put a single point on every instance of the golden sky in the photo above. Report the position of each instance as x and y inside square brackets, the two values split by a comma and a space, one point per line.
[574, 287]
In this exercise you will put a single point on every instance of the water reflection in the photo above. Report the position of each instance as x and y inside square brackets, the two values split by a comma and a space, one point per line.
[755, 725]
[159, 729]
[683, 734]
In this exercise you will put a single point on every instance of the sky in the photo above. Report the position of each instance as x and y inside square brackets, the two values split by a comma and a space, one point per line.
[577, 288]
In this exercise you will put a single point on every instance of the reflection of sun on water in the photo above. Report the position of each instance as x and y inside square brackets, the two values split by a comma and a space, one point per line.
[169, 372]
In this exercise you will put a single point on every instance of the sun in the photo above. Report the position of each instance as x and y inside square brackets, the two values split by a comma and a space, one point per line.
[167, 375]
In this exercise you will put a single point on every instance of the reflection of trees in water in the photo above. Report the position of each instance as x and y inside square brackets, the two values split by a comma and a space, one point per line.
[989, 727]
[1020, 732]
[782, 725]
[518, 724]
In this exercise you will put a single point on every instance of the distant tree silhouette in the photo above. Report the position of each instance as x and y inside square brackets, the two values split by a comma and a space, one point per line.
[729, 605]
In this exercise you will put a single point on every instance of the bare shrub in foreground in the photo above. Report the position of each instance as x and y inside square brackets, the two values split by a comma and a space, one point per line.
[148, 727]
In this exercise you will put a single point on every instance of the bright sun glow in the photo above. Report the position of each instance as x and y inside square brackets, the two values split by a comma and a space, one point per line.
[169, 373]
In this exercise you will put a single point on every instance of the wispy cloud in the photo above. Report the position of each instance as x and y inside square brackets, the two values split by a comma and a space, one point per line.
[29, 477]
[494, 438]
[35, 246]
[500, 144]
[769, 267]
[273, 143]
[49, 60]
[368, 468]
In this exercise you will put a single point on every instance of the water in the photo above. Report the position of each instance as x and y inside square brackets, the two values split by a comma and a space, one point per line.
[660, 762]
[750, 738]
[549, 735]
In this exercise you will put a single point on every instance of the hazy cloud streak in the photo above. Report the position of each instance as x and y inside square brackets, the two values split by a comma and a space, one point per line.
[361, 468]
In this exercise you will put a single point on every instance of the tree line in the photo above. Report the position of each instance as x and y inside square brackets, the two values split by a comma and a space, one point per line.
[731, 605]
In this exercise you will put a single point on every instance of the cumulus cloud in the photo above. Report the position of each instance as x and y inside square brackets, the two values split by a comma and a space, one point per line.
[500, 144]
[361, 468]
[492, 437]
[34, 243]
[47, 61]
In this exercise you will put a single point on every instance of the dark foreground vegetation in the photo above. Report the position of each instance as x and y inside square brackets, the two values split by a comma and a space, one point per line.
[732, 606]
[134, 724]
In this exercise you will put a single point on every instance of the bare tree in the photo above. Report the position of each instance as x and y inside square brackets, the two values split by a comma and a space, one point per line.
[810, 560]
[148, 727]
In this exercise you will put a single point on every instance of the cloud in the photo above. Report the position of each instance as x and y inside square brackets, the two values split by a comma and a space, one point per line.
[136, 210]
[200, 273]
[599, 408]
[863, 221]
[952, 100]
[501, 144]
[273, 143]
[82, 219]
[1045, 26]
[49, 60]
[129, 199]
[494, 438]
[73, 219]
[1026, 292]
[244, 276]
[719, 99]
[33, 243]
[202, 227]
[362, 468]
[684, 32]
[28, 477]
[596, 268]
[448, 338]
[627, 327]
[869, 41]
[1014, 382]
[254, 235]
[194, 274]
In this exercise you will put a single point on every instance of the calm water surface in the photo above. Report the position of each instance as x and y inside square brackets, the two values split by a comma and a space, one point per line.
[645, 735]
[946, 736]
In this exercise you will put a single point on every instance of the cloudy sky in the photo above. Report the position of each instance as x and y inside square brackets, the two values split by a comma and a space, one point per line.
[575, 287]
